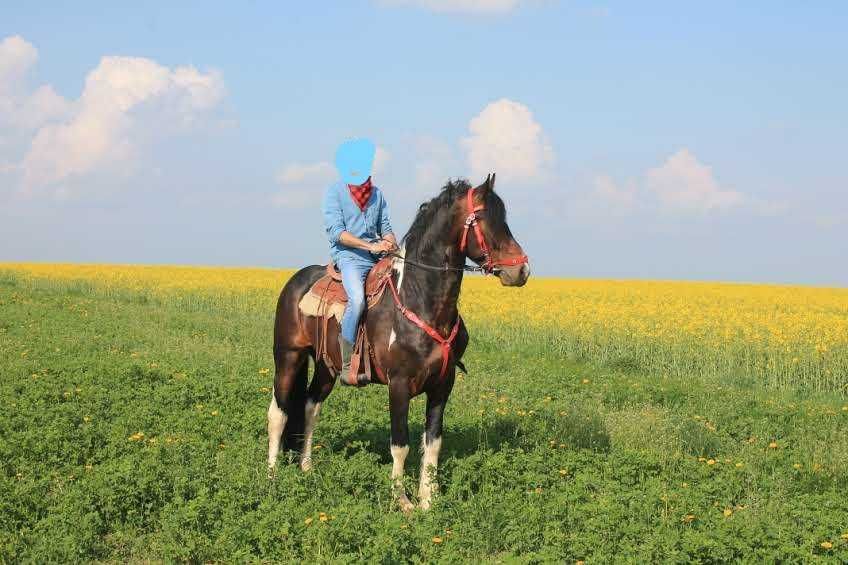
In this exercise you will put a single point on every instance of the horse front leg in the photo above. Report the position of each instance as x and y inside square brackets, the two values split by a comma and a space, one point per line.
[399, 407]
[431, 442]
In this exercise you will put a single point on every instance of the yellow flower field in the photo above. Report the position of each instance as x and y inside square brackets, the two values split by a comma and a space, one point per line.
[783, 335]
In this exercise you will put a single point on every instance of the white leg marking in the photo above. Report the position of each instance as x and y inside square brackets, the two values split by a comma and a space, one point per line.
[311, 415]
[429, 465]
[276, 424]
[398, 460]
[392, 337]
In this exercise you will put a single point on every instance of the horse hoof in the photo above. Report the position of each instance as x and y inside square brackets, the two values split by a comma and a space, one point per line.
[424, 504]
[272, 471]
[405, 505]
[306, 465]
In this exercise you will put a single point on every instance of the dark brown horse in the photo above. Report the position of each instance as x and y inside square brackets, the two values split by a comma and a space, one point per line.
[427, 274]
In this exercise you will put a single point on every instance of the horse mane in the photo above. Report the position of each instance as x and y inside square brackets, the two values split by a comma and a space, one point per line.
[434, 219]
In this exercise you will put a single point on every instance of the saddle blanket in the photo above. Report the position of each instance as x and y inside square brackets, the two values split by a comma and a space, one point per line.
[327, 296]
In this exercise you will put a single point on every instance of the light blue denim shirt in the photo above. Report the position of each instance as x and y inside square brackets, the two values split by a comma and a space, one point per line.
[341, 213]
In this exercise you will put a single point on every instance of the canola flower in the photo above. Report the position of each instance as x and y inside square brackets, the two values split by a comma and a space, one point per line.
[782, 335]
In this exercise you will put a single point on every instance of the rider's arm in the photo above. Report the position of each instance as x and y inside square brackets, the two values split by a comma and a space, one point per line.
[349, 240]
[334, 223]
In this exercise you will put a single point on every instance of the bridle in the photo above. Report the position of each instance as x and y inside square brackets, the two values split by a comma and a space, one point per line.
[486, 264]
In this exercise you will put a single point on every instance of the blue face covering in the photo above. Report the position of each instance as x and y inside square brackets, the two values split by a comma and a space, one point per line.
[354, 160]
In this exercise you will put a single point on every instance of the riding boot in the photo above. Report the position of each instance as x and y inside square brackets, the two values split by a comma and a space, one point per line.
[347, 353]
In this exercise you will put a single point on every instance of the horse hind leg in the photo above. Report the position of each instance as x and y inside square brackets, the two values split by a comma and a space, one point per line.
[319, 389]
[290, 373]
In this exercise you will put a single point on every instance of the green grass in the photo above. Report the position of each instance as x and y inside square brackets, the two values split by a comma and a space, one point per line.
[83, 370]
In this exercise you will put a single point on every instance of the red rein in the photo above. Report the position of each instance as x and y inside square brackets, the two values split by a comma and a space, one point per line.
[488, 266]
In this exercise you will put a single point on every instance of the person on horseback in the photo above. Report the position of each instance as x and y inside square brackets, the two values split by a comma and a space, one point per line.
[356, 219]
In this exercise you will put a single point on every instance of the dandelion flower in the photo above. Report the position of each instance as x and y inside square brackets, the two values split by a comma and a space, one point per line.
[711, 461]
[308, 521]
[437, 539]
[773, 445]
[826, 545]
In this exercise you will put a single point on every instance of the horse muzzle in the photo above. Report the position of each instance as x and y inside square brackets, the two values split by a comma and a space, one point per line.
[516, 275]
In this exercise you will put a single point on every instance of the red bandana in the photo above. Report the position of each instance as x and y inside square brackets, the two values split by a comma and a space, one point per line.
[361, 193]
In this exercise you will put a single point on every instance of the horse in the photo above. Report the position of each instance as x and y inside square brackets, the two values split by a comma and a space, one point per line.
[417, 334]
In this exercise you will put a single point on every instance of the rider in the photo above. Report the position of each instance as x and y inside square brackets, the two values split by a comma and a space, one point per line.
[356, 218]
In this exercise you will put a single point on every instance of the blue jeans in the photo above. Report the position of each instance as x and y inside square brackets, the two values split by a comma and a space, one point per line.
[354, 273]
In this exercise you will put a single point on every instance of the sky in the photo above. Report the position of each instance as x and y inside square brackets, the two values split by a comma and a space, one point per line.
[660, 140]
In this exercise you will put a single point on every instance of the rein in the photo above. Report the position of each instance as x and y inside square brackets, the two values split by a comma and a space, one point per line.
[443, 268]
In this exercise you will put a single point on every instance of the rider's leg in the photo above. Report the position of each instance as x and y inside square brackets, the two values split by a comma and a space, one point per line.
[353, 279]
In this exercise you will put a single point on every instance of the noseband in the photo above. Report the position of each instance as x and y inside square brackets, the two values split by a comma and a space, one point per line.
[487, 264]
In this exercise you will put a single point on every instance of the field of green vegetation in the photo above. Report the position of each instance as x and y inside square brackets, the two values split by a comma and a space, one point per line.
[132, 428]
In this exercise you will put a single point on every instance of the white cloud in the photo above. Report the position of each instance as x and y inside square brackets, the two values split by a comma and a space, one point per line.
[302, 173]
[302, 183]
[20, 109]
[125, 100]
[506, 139]
[605, 188]
[17, 55]
[460, 6]
[683, 183]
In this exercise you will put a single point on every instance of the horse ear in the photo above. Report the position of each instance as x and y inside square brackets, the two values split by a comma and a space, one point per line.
[484, 188]
[492, 182]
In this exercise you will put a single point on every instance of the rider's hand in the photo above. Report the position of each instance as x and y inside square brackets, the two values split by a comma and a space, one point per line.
[381, 246]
